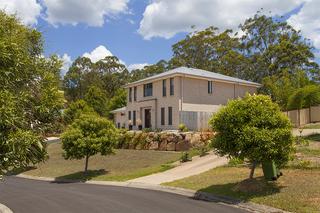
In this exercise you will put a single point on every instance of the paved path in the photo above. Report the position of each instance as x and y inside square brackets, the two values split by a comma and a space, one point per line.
[33, 196]
[305, 132]
[194, 167]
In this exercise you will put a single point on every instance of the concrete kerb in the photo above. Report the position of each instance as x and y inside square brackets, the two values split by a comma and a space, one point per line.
[249, 206]
[4, 209]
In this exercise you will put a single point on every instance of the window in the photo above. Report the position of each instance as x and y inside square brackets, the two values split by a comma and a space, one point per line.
[210, 87]
[171, 86]
[135, 94]
[169, 115]
[134, 118]
[130, 94]
[147, 90]
[162, 116]
[129, 116]
[164, 87]
[118, 125]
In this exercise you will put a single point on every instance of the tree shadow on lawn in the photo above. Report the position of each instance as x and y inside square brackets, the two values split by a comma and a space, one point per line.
[242, 191]
[80, 176]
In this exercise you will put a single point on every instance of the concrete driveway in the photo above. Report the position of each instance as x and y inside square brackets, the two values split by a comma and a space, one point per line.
[33, 196]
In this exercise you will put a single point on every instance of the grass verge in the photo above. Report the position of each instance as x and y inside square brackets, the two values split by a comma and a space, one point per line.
[298, 190]
[124, 165]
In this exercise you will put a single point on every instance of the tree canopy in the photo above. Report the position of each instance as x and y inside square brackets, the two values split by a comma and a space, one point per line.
[30, 100]
[253, 128]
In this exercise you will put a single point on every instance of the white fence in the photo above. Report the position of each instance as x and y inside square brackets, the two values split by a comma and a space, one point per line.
[195, 120]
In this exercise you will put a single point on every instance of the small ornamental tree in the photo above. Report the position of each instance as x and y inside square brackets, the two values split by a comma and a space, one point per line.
[87, 136]
[255, 129]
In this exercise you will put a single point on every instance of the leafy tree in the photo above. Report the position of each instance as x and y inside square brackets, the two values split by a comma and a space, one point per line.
[280, 87]
[272, 45]
[118, 100]
[96, 99]
[253, 128]
[88, 136]
[212, 51]
[150, 70]
[29, 95]
[75, 110]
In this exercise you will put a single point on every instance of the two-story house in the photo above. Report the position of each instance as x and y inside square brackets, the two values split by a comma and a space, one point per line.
[182, 95]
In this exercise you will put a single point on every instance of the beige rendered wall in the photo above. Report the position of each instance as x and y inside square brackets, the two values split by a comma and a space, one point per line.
[155, 102]
[120, 117]
[197, 98]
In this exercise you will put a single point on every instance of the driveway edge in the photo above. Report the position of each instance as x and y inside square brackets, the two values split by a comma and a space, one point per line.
[198, 195]
[4, 209]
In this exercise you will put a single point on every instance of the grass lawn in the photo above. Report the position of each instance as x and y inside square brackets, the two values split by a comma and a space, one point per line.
[312, 126]
[124, 165]
[298, 190]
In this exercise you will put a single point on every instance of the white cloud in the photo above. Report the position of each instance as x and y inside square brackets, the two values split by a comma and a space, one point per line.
[98, 53]
[66, 59]
[137, 66]
[27, 10]
[165, 18]
[90, 12]
[308, 21]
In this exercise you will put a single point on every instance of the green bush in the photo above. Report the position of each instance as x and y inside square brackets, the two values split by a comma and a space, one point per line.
[88, 136]
[75, 110]
[185, 157]
[183, 128]
[235, 162]
[253, 128]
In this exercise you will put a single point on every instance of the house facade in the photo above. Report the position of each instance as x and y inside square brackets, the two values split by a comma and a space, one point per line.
[182, 95]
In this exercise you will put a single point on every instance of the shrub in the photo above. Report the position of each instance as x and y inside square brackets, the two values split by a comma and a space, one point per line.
[185, 157]
[235, 161]
[75, 110]
[183, 128]
[253, 128]
[88, 136]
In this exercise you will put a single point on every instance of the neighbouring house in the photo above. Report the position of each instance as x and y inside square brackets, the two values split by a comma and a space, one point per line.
[182, 95]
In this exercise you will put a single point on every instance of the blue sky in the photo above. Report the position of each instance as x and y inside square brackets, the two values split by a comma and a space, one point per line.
[142, 32]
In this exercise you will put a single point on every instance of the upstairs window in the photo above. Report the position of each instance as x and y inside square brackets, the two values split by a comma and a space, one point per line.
[147, 90]
[171, 86]
[130, 94]
[164, 87]
[210, 87]
[135, 94]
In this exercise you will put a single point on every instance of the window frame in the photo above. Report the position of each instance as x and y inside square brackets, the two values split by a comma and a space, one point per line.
[163, 116]
[170, 116]
[146, 89]
[171, 86]
[130, 94]
[134, 93]
[164, 87]
[210, 87]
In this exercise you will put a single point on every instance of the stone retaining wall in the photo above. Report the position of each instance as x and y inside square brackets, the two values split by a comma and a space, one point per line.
[164, 141]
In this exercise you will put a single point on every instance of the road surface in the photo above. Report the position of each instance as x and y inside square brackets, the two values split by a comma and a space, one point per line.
[23, 195]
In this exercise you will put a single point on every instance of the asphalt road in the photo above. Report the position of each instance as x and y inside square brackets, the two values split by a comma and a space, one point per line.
[23, 195]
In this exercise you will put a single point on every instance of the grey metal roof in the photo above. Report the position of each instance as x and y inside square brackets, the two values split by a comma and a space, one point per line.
[197, 73]
[122, 109]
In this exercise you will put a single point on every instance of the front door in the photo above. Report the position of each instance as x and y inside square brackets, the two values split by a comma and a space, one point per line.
[147, 118]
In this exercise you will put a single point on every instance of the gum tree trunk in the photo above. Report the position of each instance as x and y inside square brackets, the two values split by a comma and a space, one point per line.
[86, 164]
[254, 164]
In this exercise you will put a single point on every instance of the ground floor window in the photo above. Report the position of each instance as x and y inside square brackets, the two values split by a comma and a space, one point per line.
[169, 115]
[134, 118]
[162, 116]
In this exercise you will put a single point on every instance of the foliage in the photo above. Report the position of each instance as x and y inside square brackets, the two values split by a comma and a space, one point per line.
[75, 110]
[183, 128]
[148, 71]
[273, 46]
[304, 97]
[235, 161]
[253, 128]
[96, 99]
[185, 157]
[88, 136]
[30, 101]
[118, 100]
